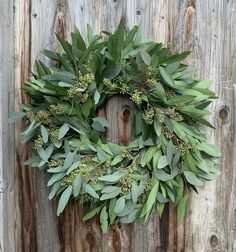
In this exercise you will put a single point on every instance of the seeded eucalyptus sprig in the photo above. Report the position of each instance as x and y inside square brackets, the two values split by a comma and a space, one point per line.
[170, 154]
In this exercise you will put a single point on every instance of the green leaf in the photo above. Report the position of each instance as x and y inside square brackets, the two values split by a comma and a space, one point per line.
[209, 149]
[49, 150]
[44, 133]
[115, 177]
[203, 84]
[117, 160]
[136, 191]
[66, 64]
[99, 124]
[91, 213]
[51, 55]
[162, 162]
[180, 190]
[145, 57]
[96, 97]
[112, 194]
[69, 160]
[89, 32]
[115, 148]
[56, 177]
[180, 99]
[182, 208]
[166, 76]
[111, 189]
[192, 179]
[148, 155]
[170, 152]
[78, 40]
[43, 154]
[54, 190]
[157, 127]
[77, 185]
[112, 214]
[152, 197]
[102, 155]
[160, 91]
[90, 190]
[16, 116]
[66, 46]
[104, 219]
[64, 76]
[171, 68]
[178, 130]
[64, 84]
[120, 205]
[72, 167]
[112, 71]
[63, 130]
[163, 176]
[155, 159]
[65, 196]
[160, 208]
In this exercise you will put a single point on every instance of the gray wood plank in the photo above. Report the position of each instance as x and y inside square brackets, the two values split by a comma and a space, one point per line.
[27, 217]
[207, 28]
[7, 104]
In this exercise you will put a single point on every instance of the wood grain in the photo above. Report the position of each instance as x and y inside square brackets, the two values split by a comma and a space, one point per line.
[206, 28]
[7, 104]
[28, 220]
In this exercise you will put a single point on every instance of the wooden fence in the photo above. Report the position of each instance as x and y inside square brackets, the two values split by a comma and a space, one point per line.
[28, 220]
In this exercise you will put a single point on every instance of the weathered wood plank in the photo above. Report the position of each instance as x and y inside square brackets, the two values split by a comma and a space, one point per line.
[207, 29]
[29, 221]
[7, 104]
[46, 19]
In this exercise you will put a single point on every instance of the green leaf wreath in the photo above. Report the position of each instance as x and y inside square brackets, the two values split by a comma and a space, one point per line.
[170, 154]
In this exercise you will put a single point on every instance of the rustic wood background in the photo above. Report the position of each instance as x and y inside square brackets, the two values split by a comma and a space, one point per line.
[28, 220]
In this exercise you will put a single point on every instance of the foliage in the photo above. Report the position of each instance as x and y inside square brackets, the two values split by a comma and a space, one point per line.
[170, 153]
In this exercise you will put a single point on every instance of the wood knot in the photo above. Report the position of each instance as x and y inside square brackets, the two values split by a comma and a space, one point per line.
[224, 114]
[90, 241]
[116, 239]
[126, 114]
[138, 12]
[214, 241]
[189, 20]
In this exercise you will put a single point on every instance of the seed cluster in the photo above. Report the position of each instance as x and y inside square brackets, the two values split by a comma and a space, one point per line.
[165, 131]
[110, 85]
[153, 73]
[148, 116]
[85, 198]
[174, 114]
[147, 185]
[55, 109]
[84, 168]
[41, 116]
[184, 148]
[38, 143]
[152, 113]
[126, 184]
[136, 97]
[86, 80]
[121, 83]
[55, 163]
[170, 93]
[54, 134]
[127, 154]
[181, 167]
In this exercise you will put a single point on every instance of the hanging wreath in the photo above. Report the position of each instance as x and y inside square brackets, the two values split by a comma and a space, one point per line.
[170, 154]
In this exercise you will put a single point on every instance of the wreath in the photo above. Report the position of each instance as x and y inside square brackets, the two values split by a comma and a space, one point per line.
[170, 154]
